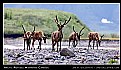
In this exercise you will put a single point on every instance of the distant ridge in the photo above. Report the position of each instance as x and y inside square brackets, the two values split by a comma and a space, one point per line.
[42, 19]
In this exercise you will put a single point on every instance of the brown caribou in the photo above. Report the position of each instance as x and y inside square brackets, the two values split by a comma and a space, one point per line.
[75, 37]
[95, 37]
[58, 35]
[27, 38]
[38, 35]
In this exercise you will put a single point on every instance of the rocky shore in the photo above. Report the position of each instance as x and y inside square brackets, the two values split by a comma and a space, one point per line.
[108, 53]
[82, 56]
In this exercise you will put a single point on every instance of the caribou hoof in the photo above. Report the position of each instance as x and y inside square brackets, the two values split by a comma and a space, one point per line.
[59, 49]
[32, 48]
[74, 45]
[53, 49]
[38, 47]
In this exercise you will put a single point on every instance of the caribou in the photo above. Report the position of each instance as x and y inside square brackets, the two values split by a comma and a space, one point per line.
[95, 37]
[38, 35]
[27, 38]
[58, 35]
[75, 37]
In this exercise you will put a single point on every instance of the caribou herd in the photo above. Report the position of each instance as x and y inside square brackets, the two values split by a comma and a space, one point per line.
[57, 36]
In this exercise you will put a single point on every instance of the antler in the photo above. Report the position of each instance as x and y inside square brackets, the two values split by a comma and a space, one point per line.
[102, 35]
[81, 34]
[23, 29]
[81, 31]
[74, 30]
[67, 21]
[34, 29]
[56, 19]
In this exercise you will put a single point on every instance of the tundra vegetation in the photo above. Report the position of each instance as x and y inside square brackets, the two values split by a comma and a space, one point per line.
[42, 19]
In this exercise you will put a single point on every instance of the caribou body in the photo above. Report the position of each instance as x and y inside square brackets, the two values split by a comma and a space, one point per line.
[34, 35]
[38, 35]
[58, 35]
[75, 37]
[94, 36]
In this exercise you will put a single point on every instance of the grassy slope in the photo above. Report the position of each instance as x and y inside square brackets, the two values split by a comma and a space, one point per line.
[43, 20]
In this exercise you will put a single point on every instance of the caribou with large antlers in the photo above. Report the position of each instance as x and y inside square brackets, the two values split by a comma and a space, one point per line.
[27, 38]
[38, 35]
[95, 37]
[75, 37]
[58, 35]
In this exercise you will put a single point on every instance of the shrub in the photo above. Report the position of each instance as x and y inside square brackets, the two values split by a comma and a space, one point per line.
[111, 61]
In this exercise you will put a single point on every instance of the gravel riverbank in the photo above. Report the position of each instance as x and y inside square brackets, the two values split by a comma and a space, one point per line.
[46, 56]
[83, 56]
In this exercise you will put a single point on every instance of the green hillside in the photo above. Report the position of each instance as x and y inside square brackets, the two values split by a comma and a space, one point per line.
[42, 19]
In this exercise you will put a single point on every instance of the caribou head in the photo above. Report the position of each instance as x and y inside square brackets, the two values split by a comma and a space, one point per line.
[60, 26]
[100, 39]
[27, 34]
[78, 34]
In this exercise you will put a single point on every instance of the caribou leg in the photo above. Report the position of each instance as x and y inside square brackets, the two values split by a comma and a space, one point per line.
[33, 43]
[76, 43]
[93, 43]
[97, 44]
[69, 43]
[29, 46]
[40, 44]
[57, 46]
[24, 44]
[60, 46]
[53, 46]
[28, 42]
[89, 44]
[73, 44]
